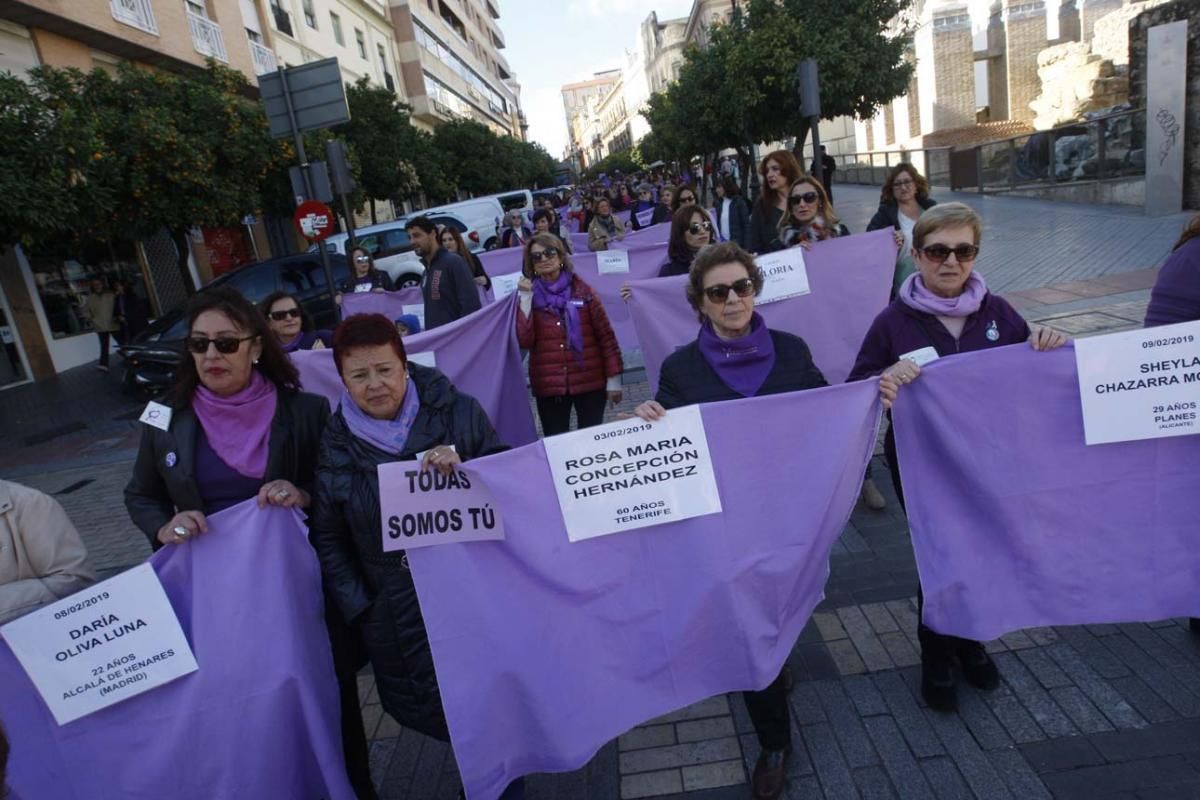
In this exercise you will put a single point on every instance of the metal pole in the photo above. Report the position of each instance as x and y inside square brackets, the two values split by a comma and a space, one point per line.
[308, 190]
[816, 137]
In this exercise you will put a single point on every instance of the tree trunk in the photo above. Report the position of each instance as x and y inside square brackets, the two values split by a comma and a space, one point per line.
[180, 237]
[373, 221]
[801, 138]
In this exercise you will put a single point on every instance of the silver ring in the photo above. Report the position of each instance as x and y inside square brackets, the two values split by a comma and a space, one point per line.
[180, 531]
[282, 493]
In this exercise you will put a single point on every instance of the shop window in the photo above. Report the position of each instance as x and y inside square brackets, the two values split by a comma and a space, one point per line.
[63, 283]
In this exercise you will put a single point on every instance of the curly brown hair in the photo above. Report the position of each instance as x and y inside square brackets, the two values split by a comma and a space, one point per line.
[1190, 232]
[711, 257]
[887, 196]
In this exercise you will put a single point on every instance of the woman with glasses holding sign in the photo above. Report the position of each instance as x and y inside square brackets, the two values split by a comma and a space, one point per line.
[810, 216]
[905, 195]
[574, 358]
[364, 277]
[286, 319]
[691, 230]
[236, 426]
[943, 309]
[736, 355]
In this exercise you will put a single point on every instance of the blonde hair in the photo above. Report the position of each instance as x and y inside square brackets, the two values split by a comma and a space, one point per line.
[825, 209]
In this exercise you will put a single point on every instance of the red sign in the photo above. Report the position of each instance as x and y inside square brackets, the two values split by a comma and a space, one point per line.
[314, 220]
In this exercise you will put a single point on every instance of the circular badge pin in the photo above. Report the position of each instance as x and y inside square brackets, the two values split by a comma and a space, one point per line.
[993, 332]
[170, 459]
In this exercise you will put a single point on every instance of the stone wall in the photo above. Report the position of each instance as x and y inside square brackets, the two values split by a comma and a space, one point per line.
[1160, 15]
[1075, 81]
[1110, 38]
[1092, 10]
[1025, 24]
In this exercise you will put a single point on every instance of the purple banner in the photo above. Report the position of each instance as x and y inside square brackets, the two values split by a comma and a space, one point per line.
[1017, 523]
[644, 263]
[647, 621]
[390, 304]
[478, 353]
[850, 279]
[260, 718]
[579, 242]
[658, 235]
[503, 261]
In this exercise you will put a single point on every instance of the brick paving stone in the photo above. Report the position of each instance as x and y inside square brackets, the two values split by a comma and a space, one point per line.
[847, 727]
[648, 736]
[711, 776]
[1094, 653]
[945, 779]
[846, 657]
[1017, 640]
[1037, 702]
[917, 731]
[1103, 630]
[1084, 783]
[700, 729]
[813, 662]
[807, 788]
[658, 758]
[1082, 712]
[1172, 738]
[1181, 663]
[1182, 640]
[1012, 715]
[1100, 692]
[716, 706]
[1060, 755]
[1159, 678]
[1042, 636]
[806, 706]
[741, 717]
[829, 625]
[866, 698]
[1017, 775]
[880, 618]
[1044, 669]
[650, 784]
[873, 784]
[830, 766]
[971, 761]
[1144, 700]
[897, 759]
[900, 648]
[388, 727]
[430, 768]
[866, 642]
[978, 717]
[379, 755]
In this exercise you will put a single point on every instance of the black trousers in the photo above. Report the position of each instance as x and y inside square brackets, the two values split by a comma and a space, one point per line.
[349, 656]
[768, 711]
[934, 646]
[103, 347]
[555, 412]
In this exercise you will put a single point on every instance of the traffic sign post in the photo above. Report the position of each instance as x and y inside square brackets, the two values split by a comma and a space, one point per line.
[314, 220]
[809, 87]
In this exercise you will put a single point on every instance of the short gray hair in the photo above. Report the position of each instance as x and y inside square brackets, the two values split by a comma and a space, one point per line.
[946, 215]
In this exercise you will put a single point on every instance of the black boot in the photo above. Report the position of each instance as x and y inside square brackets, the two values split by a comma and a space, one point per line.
[937, 684]
[770, 774]
[977, 666]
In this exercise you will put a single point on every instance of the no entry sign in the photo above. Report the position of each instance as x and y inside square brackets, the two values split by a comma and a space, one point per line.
[314, 220]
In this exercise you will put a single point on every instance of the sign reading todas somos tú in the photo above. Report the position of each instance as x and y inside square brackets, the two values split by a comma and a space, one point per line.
[108, 643]
[633, 474]
[1142, 384]
[421, 508]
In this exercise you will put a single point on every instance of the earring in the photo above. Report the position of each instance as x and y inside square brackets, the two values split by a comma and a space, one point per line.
[256, 361]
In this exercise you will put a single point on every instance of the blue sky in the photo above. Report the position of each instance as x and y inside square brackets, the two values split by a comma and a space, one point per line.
[552, 43]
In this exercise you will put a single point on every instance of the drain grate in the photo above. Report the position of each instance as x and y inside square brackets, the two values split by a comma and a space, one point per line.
[53, 433]
[76, 486]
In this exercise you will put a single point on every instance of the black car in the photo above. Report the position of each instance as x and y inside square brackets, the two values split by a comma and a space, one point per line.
[151, 358]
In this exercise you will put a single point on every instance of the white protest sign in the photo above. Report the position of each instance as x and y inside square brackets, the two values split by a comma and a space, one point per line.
[504, 285]
[609, 261]
[417, 309]
[784, 275]
[114, 641]
[1142, 384]
[633, 474]
[422, 508]
[921, 356]
[426, 358]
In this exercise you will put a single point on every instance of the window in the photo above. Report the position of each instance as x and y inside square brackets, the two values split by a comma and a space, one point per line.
[63, 284]
[383, 65]
[336, 22]
[310, 16]
[362, 44]
[197, 7]
[254, 283]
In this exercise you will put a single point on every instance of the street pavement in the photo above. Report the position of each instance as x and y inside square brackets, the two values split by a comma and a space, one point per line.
[1098, 712]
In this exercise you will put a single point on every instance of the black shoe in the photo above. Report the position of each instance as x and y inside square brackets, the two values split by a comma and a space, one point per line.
[937, 684]
[770, 774]
[977, 666]
[1194, 624]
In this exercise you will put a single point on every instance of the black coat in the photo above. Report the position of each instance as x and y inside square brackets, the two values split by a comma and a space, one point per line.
[662, 213]
[379, 280]
[888, 214]
[676, 264]
[156, 491]
[764, 230]
[739, 220]
[374, 589]
[687, 378]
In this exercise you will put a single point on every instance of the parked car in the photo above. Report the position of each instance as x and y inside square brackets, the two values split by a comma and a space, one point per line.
[478, 220]
[470, 236]
[153, 355]
[521, 199]
[389, 245]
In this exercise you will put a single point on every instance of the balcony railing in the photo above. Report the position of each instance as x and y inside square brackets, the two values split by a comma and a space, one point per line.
[207, 38]
[264, 58]
[137, 13]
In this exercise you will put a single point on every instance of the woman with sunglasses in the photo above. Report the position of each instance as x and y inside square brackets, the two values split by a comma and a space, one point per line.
[736, 355]
[452, 241]
[779, 170]
[286, 319]
[810, 217]
[238, 427]
[364, 277]
[904, 196]
[945, 307]
[574, 358]
[691, 230]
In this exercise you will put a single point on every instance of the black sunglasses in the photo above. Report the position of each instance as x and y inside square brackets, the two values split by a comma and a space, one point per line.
[807, 197]
[687, 198]
[938, 253]
[696, 227]
[719, 292]
[225, 344]
[280, 316]
[542, 255]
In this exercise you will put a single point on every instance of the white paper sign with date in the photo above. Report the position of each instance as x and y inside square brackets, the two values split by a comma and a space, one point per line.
[103, 645]
[1142, 384]
[633, 474]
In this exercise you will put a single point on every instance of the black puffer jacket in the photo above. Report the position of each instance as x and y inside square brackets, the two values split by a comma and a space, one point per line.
[374, 589]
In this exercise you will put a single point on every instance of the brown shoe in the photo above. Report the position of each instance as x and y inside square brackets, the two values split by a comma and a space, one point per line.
[770, 774]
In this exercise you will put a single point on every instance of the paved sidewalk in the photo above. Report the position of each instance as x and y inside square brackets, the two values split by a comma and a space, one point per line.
[1095, 712]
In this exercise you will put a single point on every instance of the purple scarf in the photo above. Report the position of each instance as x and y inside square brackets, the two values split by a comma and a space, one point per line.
[742, 364]
[389, 435]
[556, 297]
[238, 427]
[914, 295]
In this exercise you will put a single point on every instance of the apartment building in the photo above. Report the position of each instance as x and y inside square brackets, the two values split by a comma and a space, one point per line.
[579, 101]
[356, 32]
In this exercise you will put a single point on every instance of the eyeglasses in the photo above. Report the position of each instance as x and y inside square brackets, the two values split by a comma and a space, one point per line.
[225, 344]
[938, 253]
[538, 256]
[719, 292]
[902, 184]
[697, 227]
[361, 259]
[280, 316]
[808, 198]
[687, 198]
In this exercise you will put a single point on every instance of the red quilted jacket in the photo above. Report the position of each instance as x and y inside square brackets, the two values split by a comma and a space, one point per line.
[553, 368]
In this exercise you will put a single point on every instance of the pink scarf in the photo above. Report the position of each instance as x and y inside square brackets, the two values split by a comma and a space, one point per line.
[914, 295]
[238, 427]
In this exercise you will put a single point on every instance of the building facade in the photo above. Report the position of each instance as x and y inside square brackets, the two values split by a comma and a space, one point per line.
[356, 32]
[579, 104]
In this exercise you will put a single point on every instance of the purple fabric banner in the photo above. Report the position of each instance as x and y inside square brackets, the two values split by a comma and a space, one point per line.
[504, 261]
[478, 353]
[850, 279]
[644, 263]
[260, 718]
[1017, 523]
[390, 304]
[546, 650]
[657, 235]
[579, 242]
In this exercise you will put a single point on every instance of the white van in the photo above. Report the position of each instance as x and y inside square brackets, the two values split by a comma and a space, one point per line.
[479, 220]
[389, 245]
[521, 199]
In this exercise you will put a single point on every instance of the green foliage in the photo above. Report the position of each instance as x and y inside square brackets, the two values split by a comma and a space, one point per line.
[384, 142]
[626, 162]
[474, 159]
